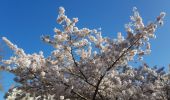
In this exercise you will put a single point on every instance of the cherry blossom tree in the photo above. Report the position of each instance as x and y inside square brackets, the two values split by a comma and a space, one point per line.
[86, 66]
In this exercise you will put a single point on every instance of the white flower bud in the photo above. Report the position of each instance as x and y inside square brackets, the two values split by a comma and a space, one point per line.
[75, 20]
[162, 14]
[94, 31]
[61, 10]
[75, 29]
[61, 97]
[42, 74]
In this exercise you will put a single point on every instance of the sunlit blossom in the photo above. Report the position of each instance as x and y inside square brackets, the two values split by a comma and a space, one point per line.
[85, 65]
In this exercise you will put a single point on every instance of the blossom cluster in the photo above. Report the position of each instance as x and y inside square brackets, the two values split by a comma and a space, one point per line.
[84, 65]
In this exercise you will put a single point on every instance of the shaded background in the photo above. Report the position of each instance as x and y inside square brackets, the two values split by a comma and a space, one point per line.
[24, 21]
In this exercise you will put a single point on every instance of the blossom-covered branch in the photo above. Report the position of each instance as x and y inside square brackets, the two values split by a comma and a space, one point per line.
[86, 65]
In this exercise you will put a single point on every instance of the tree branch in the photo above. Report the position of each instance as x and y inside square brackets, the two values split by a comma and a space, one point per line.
[115, 62]
[85, 78]
[78, 94]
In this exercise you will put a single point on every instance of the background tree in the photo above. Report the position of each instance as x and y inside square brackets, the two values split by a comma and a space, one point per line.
[85, 65]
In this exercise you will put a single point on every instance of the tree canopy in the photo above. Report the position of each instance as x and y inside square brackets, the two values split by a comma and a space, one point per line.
[87, 66]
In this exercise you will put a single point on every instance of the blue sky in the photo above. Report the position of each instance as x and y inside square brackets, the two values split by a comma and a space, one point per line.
[24, 21]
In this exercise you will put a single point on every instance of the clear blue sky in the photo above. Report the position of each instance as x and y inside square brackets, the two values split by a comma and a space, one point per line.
[24, 21]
